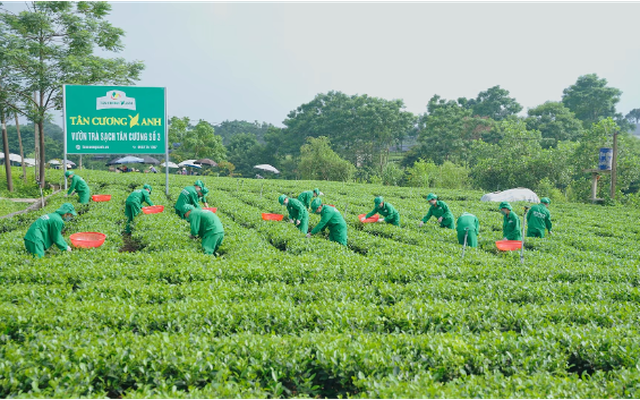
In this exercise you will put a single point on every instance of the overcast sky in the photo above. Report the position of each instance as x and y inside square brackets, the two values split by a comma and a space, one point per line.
[259, 61]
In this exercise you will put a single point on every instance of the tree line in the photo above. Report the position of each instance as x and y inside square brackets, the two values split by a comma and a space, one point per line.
[484, 142]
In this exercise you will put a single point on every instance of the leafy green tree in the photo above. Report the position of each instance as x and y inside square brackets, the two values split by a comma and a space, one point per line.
[493, 103]
[228, 129]
[361, 128]
[244, 152]
[634, 116]
[51, 44]
[319, 162]
[555, 122]
[201, 142]
[591, 100]
[506, 165]
[448, 130]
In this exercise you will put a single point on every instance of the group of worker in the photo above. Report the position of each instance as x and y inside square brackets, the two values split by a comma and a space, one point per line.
[538, 218]
[205, 224]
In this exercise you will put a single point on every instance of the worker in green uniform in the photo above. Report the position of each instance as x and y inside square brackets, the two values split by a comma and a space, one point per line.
[306, 197]
[330, 218]
[133, 205]
[47, 230]
[190, 195]
[203, 198]
[78, 185]
[297, 213]
[390, 214]
[511, 224]
[206, 225]
[440, 210]
[539, 219]
[468, 225]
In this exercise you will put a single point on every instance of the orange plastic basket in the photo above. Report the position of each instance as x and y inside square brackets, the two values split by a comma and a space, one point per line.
[509, 245]
[101, 197]
[272, 217]
[87, 239]
[374, 218]
[153, 209]
[212, 209]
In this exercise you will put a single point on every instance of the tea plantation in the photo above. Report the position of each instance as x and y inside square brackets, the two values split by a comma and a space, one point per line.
[396, 313]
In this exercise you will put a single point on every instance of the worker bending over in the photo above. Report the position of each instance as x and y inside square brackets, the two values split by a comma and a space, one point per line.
[511, 223]
[47, 230]
[539, 219]
[469, 226]
[206, 225]
[391, 216]
[297, 213]
[191, 195]
[133, 204]
[440, 210]
[306, 197]
[330, 218]
[78, 185]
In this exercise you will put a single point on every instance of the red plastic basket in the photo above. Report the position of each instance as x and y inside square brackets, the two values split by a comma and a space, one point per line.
[212, 209]
[508, 245]
[272, 217]
[330, 205]
[101, 197]
[374, 218]
[87, 239]
[153, 209]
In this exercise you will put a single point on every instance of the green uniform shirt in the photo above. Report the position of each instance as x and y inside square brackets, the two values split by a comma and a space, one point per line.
[188, 195]
[538, 219]
[204, 222]
[297, 210]
[138, 196]
[511, 227]
[391, 214]
[306, 197]
[331, 218]
[48, 230]
[440, 209]
[80, 186]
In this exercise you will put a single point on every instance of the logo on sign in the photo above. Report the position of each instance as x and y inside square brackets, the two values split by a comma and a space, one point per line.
[115, 99]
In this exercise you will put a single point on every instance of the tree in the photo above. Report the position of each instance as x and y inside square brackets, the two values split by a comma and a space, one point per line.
[448, 130]
[591, 100]
[493, 103]
[244, 152]
[555, 122]
[634, 116]
[201, 142]
[361, 128]
[227, 129]
[51, 44]
[319, 162]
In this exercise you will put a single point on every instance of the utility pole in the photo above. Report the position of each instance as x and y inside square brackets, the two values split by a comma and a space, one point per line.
[614, 161]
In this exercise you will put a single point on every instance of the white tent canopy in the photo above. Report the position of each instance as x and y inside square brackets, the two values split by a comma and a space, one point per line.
[267, 167]
[171, 165]
[12, 157]
[30, 162]
[518, 194]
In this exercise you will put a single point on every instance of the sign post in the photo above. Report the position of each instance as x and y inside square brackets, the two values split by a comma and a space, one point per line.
[115, 120]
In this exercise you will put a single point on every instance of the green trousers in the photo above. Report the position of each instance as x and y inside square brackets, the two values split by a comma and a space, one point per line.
[35, 248]
[211, 242]
[472, 238]
[131, 210]
[393, 219]
[83, 197]
[304, 225]
[539, 233]
[339, 235]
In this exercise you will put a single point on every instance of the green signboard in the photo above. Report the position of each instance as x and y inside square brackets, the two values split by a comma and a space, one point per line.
[115, 120]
